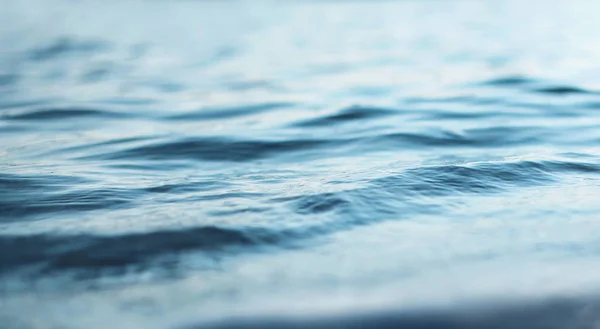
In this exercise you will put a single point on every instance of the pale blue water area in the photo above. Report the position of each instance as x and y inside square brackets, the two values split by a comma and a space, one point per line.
[299, 164]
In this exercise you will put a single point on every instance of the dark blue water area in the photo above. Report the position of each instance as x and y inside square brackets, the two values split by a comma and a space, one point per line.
[299, 164]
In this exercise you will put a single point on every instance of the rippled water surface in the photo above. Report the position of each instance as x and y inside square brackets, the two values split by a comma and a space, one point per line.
[318, 163]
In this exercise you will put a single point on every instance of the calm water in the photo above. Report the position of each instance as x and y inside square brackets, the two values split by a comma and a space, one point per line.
[411, 164]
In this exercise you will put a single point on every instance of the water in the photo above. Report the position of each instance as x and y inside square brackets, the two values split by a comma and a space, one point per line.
[414, 164]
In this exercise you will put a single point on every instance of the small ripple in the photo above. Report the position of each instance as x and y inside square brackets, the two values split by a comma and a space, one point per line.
[462, 100]
[179, 188]
[61, 113]
[238, 211]
[65, 46]
[11, 182]
[113, 142]
[226, 195]
[562, 91]
[320, 203]
[509, 81]
[438, 100]
[414, 139]
[480, 178]
[449, 115]
[244, 85]
[110, 143]
[169, 87]
[354, 113]
[571, 167]
[453, 179]
[213, 149]
[128, 101]
[96, 74]
[24, 205]
[484, 137]
[229, 112]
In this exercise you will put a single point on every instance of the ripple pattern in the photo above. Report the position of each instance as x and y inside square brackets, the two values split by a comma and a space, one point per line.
[208, 164]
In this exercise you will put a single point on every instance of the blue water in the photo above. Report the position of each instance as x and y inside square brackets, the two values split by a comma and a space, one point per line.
[299, 164]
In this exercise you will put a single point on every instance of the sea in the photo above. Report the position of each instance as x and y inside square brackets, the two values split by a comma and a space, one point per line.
[418, 164]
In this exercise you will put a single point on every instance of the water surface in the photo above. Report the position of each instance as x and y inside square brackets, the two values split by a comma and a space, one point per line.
[414, 164]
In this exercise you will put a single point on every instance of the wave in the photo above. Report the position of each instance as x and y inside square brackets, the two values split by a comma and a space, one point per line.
[229, 149]
[563, 91]
[393, 197]
[355, 113]
[101, 254]
[62, 114]
[152, 145]
[509, 81]
[212, 149]
[33, 205]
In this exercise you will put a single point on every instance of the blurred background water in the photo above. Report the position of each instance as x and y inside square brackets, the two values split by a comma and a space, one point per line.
[342, 164]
